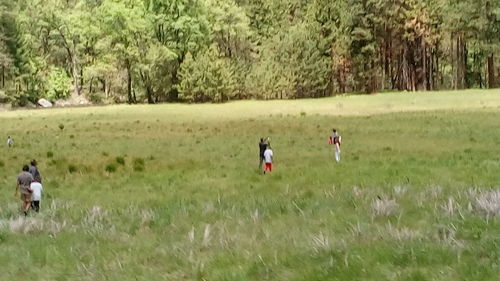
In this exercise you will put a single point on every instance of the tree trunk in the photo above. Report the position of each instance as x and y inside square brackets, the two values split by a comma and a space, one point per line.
[81, 76]
[409, 75]
[76, 87]
[129, 82]
[431, 70]
[453, 64]
[149, 94]
[341, 75]
[91, 89]
[460, 62]
[491, 72]
[425, 68]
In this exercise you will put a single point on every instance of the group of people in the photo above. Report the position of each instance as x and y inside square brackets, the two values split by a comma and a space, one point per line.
[266, 153]
[29, 181]
[29, 186]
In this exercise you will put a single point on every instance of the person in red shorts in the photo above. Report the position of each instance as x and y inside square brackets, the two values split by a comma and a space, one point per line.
[268, 158]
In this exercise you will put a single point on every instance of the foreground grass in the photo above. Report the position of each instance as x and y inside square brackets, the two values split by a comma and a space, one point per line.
[172, 192]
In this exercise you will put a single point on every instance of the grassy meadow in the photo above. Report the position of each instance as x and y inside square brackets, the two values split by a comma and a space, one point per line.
[172, 192]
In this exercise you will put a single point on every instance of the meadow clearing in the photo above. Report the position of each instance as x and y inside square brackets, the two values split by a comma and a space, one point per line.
[172, 192]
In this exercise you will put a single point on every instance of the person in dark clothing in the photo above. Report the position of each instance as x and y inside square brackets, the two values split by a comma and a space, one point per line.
[24, 181]
[262, 148]
[34, 171]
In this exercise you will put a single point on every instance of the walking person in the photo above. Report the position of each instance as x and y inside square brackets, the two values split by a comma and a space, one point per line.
[268, 157]
[24, 180]
[33, 169]
[36, 196]
[10, 141]
[336, 141]
[262, 149]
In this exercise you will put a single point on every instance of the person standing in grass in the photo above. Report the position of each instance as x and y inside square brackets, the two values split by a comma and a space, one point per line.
[24, 180]
[268, 157]
[36, 196]
[33, 169]
[336, 141]
[10, 142]
[262, 149]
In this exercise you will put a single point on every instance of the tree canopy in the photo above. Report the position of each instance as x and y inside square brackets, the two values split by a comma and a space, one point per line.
[217, 50]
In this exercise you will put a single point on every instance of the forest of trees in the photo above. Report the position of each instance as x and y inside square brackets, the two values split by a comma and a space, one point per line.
[217, 50]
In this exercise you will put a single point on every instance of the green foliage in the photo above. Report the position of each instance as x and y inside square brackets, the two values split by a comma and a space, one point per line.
[292, 65]
[57, 84]
[114, 51]
[207, 77]
[120, 160]
[110, 168]
[72, 168]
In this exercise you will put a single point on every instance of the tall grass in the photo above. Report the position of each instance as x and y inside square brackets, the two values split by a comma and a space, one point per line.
[414, 198]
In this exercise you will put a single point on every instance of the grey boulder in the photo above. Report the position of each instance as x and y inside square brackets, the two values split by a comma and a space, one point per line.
[44, 103]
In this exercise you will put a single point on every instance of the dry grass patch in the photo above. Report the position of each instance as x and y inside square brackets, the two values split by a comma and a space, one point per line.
[383, 207]
[488, 203]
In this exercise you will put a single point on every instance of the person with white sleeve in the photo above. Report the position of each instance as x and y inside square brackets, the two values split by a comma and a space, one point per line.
[36, 196]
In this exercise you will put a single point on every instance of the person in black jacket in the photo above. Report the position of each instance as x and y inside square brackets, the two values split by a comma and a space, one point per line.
[33, 169]
[262, 148]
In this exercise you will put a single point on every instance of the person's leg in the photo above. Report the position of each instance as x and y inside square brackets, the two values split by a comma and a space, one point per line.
[36, 206]
[337, 154]
[26, 203]
[23, 203]
[261, 160]
[270, 167]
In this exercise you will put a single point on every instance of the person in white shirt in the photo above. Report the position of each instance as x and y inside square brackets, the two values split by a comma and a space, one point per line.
[10, 142]
[36, 196]
[268, 158]
[336, 141]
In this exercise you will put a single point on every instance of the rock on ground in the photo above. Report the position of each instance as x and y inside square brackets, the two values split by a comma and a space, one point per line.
[44, 103]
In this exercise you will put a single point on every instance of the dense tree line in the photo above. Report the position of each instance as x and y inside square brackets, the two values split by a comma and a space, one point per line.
[217, 50]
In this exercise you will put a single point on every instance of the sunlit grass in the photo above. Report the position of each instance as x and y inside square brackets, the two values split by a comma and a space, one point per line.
[172, 192]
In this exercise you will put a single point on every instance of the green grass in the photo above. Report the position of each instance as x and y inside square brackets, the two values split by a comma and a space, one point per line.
[184, 200]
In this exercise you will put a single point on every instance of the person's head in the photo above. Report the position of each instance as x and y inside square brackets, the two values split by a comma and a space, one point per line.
[33, 162]
[8, 137]
[334, 130]
[261, 139]
[26, 168]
